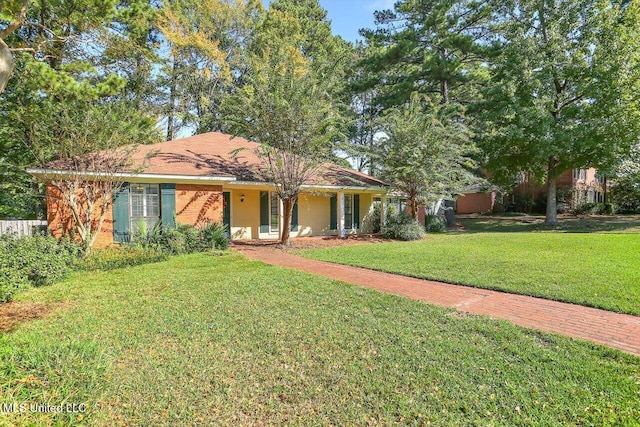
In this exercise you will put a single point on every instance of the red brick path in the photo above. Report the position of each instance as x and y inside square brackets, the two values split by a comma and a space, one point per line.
[620, 331]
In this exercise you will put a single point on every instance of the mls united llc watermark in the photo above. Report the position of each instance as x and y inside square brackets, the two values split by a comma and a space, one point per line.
[23, 407]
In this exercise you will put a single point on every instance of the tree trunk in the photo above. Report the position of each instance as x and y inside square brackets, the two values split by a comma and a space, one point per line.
[172, 102]
[287, 208]
[444, 91]
[6, 64]
[413, 206]
[552, 203]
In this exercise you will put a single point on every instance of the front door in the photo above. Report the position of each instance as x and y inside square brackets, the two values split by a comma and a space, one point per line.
[226, 211]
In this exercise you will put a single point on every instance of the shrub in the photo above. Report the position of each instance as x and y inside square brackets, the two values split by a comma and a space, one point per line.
[595, 209]
[625, 193]
[12, 280]
[34, 261]
[402, 226]
[214, 236]
[114, 257]
[371, 221]
[183, 239]
[172, 241]
[434, 223]
[145, 236]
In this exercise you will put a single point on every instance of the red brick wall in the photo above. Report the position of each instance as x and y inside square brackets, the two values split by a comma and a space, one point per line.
[195, 205]
[475, 203]
[198, 204]
[61, 220]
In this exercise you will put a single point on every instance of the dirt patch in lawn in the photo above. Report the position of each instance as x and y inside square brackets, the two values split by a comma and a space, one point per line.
[14, 313]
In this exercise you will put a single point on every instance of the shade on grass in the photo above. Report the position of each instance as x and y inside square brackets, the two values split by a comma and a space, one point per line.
[204, 339]
[598, 270]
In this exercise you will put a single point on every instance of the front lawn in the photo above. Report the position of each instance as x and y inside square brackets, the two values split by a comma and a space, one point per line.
[203, 339]
[593, 269]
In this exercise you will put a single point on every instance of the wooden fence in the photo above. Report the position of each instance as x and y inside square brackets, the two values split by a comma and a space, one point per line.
[22, 227]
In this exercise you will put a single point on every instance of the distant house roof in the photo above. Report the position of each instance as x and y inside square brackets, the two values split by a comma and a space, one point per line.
[220, 156]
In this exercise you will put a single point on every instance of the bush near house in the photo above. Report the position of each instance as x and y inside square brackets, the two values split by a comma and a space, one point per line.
[595, 209]
[183, 239]
[38, 260]
[401, 226]
[435, 224]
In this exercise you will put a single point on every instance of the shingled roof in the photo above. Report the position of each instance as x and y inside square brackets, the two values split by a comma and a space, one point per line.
[220, 155]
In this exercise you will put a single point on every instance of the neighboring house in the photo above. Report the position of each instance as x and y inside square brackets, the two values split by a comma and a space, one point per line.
[213, 177]
[479, 199]
[575, 187]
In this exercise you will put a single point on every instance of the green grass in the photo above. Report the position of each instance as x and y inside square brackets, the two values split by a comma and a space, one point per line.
[566, 223]
[592, 269]
[204, 339]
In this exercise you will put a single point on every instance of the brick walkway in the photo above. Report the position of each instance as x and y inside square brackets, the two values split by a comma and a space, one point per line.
[620, 331]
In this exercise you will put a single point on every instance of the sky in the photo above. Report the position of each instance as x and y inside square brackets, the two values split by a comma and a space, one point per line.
[348, 16]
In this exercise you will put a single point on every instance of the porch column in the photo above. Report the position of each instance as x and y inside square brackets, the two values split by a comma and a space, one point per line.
[280, 215]
[341, 230]
[383, 211]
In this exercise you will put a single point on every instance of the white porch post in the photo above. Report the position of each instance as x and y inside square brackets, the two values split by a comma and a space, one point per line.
[341, 230]
[383, 211]
[280, 215]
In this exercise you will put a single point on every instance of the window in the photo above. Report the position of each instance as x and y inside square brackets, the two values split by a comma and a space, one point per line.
[274, 217]
[145, 205]
[348, 211]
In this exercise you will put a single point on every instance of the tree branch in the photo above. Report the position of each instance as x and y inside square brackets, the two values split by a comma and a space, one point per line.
[15, 24]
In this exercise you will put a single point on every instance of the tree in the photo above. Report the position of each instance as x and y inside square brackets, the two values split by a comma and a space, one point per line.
[625, 188]
[435, 48]
[564, 89]
[131, 49]
[286, 107]
[94, 150]
[364, 112]
[426, 152]
[430, 47]
[59, 50]
[208, 42]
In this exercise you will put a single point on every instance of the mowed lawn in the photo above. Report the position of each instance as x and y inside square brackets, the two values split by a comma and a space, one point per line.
[206, 340]
[593, 269]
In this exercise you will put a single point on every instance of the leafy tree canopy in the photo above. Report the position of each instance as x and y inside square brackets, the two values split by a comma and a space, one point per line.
[564, 88]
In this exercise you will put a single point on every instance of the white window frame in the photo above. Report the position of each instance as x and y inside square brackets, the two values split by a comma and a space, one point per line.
[133, 219]
[348, 211]
[273, 198]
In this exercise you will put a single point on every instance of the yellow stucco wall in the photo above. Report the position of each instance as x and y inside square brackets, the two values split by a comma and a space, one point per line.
[245, 216]
[313, 215]
[366, 207]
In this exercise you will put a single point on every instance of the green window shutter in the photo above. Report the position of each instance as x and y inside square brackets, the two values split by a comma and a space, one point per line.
[226, 211]
[121, 215]
[294, 217]
[168, 205]
[356, 211]
[264, 211]
[333, 208]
